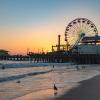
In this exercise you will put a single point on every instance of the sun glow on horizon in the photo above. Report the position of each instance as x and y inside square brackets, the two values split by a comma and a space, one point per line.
[35, 24]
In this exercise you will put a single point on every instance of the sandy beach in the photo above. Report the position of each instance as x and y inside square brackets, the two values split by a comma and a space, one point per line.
[39, 86]
[87, 90]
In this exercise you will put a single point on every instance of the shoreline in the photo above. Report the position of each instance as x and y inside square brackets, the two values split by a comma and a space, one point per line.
[87, 90]
[40, 87]
[83, 91]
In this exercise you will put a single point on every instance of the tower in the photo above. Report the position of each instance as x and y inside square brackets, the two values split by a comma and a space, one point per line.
[58, 48]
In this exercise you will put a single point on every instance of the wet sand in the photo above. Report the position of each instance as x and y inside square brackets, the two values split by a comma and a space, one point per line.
[87, 90]
[41, 86]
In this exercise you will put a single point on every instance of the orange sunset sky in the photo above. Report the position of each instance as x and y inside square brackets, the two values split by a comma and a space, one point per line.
[35, 24]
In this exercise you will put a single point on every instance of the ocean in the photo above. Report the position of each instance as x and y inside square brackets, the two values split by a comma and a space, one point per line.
[35, 81]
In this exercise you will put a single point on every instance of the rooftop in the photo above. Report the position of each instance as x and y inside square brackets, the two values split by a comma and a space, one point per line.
[91, 39]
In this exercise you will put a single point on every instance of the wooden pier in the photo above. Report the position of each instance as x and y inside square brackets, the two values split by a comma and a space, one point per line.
[56, 58]
[86, 58]
[36, 58]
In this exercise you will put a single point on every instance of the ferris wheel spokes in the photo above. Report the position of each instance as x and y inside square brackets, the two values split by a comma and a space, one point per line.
[78, 27]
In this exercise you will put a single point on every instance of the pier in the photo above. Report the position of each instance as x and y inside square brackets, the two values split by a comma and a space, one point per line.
[82, 45]
[45, 58]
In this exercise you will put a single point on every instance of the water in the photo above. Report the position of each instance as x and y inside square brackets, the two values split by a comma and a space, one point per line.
[39, 86]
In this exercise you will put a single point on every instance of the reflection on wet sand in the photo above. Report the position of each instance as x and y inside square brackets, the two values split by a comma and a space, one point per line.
[43, 86]
[39, 95]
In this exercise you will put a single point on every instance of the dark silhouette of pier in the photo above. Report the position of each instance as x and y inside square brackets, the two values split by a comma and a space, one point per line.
[85, 50]
[57, 57]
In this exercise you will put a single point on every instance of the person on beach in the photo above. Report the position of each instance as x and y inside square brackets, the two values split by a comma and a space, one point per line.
[77, 67]
[83, 67]
[18, 81]
[53, 68]
[3, 67]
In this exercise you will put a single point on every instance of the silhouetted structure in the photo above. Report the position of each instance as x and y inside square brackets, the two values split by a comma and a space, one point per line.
[59, 47]
[84, 50]
[3, 52]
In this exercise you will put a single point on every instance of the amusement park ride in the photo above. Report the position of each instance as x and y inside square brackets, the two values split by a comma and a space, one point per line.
[81, 36]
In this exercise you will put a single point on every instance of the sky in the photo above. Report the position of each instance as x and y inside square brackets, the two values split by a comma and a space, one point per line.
[34, 24]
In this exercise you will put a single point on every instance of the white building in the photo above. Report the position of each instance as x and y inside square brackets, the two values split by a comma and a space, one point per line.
[88, 45]
[88, 49]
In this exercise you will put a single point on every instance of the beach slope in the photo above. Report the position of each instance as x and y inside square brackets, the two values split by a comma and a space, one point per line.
[87, 90]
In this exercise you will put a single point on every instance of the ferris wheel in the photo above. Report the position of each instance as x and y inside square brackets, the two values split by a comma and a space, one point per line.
[78, 28]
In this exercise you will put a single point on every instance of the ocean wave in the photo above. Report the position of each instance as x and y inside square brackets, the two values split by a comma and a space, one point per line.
[11, 78]
[22, 65]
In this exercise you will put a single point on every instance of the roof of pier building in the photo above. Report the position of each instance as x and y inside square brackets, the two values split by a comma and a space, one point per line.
[3, 52]
[91, 39]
